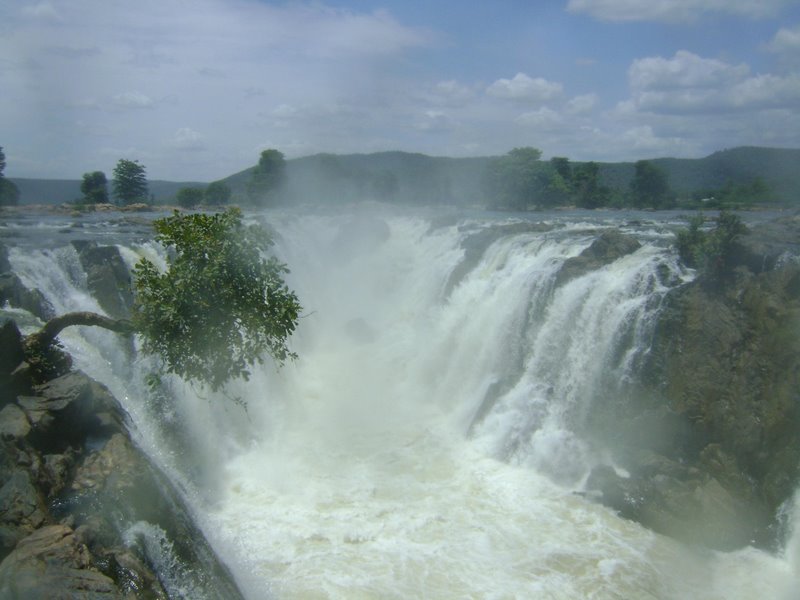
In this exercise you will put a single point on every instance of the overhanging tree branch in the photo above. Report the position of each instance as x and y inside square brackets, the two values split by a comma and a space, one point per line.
[45, 336]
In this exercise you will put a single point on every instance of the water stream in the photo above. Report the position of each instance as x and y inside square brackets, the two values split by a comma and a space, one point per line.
[429, 441]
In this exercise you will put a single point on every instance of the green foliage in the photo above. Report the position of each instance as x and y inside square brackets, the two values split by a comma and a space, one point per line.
[650, 187]
[94, 188]
[267, 179]
[189, 197]
[130, 182]
[220, 307]
[217, 193]
[517, 180]
[736, 195]
[586, 188]
[9, 193]
[710, 251]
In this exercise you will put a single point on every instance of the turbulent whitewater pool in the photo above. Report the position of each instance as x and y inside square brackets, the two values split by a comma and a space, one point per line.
[428, 441]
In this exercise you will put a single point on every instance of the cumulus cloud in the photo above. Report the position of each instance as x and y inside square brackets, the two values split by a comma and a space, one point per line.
[674, 11]
[542, 118]
[188, 139]
[583, 104]
[683, 70]
[688, 83]
[526, 89]
[132, 100]
[786, 43]
[452, 93]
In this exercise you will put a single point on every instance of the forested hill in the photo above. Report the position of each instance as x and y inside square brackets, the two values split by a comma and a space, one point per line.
[408, 178]
[778, 168]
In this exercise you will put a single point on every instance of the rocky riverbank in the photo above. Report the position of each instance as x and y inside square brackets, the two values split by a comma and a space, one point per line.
[711, 436]
[83, 512]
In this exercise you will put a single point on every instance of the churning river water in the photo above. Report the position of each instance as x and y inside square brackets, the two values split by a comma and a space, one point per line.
[427, 442]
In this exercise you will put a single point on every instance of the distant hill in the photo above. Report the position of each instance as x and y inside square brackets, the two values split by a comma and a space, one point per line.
[409, 178]
[779, 168]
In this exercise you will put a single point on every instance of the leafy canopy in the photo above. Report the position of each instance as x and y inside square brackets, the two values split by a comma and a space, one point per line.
[130, 181]
[711, 251]
[220, 306]
[94, 188]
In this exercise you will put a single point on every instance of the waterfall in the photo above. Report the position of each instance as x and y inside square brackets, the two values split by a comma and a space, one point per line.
[430, 440]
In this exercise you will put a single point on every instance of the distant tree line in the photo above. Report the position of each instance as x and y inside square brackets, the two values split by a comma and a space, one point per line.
[520, 180]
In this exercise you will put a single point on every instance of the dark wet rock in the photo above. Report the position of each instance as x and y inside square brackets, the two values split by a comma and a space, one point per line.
[5, 265]
[22, 509]
[11, 355]
[71, 408]
[107, 277]
[718, 412]
[611, 245]
[13, 291]
[52, 563]
[14, 422]
[768, 245]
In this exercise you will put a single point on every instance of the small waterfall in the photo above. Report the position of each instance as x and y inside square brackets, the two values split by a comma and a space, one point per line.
[430, 438]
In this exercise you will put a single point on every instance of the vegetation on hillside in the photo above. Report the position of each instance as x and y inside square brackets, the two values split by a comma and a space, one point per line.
[735, 179]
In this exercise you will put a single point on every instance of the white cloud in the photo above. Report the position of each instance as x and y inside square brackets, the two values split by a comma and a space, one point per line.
[525, 88]
[42, 10]
[688, 83]
[674, 11]
[132, 100]
[188, 139]
[434, 121]
[543, 118]
[786, 43]
[452, 93]
[683, 70]
[583, 104]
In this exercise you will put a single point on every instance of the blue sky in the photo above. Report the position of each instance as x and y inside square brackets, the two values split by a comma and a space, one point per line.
[196, 89]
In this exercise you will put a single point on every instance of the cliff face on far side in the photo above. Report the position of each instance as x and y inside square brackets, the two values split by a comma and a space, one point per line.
[712, 436]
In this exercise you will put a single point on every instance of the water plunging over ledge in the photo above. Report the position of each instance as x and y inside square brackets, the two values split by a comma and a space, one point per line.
[430, 439]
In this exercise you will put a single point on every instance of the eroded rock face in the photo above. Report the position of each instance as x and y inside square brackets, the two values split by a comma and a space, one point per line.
[67, 461]
[13, 291]
[611, 245]
[724, 373]
[107, 277]
[51, 562]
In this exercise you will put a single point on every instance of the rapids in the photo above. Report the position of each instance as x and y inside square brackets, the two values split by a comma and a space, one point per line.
[430, 441]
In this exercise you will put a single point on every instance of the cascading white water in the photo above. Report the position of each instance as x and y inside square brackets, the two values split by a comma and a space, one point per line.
[427, 443]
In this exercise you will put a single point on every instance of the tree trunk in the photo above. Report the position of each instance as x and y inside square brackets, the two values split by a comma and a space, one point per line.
[45, 336]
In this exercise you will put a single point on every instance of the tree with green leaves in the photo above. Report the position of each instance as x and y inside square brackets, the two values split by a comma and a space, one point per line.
[130, 182]
[189, 197]
[650, 187]
[712, 251]
[94, 188]
[218, 309]
[517, 180]
[217, 193]
[9, 192]
[587, 189]
[268, 178]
